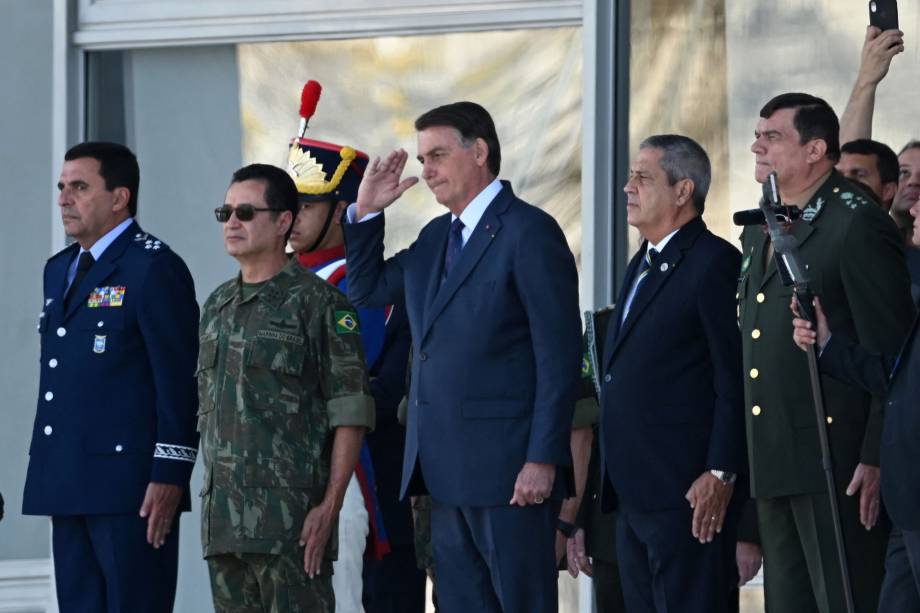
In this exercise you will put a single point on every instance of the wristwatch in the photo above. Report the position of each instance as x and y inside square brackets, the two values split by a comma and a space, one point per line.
[567, 529]
[724, 476]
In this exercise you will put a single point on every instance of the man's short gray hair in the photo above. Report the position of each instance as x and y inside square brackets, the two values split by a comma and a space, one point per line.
[683, 158]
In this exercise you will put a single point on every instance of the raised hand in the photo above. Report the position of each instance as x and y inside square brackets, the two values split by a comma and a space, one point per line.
[381, 185]
[878, 50]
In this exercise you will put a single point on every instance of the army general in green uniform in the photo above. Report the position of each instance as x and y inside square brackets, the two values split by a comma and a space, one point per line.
[284, 403]
[855, 260]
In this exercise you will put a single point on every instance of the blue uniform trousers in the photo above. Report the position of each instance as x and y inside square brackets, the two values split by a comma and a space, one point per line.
[901, 585]
[103, 564]
[495, 559]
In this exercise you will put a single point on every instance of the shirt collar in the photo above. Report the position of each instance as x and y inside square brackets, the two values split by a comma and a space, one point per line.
[663, 242]
[107, 239]
[805, 197]
[478, 205]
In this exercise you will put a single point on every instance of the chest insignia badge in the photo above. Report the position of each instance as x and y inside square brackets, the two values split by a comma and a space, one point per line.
[99, 344]
[109, 296]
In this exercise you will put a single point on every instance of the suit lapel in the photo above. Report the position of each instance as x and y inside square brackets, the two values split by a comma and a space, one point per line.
[441, 230]
[101, 269]
[486, 230]
[661, 271]
[57, 281]
[613, 328]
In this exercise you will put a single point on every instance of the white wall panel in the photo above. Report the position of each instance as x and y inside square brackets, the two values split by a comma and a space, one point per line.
[145, 23]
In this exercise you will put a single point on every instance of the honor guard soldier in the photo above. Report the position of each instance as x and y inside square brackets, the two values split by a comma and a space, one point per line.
[285, 402]
[376, 568]
[114, 440]
[855, 262]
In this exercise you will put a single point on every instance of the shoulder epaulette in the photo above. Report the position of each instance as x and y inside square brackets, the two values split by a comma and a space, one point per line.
[149, 243]
[852, 199]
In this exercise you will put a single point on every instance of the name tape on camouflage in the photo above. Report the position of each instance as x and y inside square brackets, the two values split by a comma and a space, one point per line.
[346, 322]
[109, 296]
[276, 335]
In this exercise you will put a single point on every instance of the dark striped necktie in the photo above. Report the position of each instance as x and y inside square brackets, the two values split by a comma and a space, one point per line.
[644, 267]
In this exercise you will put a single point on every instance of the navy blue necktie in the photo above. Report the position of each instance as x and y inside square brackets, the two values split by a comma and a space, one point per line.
[454, 245]
[84, 263]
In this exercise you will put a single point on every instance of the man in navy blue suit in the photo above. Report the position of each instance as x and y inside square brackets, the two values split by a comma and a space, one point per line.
[114, 441]
[491, 292]
[672, 422]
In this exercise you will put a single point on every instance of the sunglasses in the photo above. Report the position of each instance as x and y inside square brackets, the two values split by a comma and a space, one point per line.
[244, 212]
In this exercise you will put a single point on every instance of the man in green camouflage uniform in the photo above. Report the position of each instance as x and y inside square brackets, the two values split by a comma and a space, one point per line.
[284, 404]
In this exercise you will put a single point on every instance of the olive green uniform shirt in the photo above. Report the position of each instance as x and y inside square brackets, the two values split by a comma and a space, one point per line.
[854, 258]
[278, 371]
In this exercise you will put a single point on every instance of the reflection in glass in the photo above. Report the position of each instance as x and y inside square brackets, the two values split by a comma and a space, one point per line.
[373, 89]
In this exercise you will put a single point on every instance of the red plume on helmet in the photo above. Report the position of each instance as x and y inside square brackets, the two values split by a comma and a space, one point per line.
[309, 98]
[322, 171]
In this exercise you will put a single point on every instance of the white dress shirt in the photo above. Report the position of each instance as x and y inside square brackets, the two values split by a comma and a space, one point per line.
[632, 291]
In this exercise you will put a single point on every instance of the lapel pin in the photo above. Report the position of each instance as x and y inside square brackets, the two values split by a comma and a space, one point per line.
[664, 267]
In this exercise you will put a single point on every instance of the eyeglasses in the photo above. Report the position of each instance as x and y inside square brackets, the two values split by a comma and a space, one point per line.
[244, 212]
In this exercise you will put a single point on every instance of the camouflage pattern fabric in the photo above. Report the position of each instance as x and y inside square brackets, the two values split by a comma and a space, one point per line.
[277, 372]
[269, 583]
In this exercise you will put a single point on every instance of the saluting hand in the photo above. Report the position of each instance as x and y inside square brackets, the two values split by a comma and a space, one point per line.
[534, 483]
[381, 186]
[708, 497]
[159, 507]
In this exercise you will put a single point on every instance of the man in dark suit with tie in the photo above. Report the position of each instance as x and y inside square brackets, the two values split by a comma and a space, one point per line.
[491, 292]
[672, 427]
[114, 440]
[898, 379]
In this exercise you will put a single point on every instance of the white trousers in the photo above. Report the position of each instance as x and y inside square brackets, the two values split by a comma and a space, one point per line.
[354, 526]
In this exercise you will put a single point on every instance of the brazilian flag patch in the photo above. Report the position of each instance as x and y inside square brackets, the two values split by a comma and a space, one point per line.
[346, 322]
[587, 370]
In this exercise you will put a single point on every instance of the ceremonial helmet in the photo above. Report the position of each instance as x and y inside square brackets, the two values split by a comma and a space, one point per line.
[322, 171]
